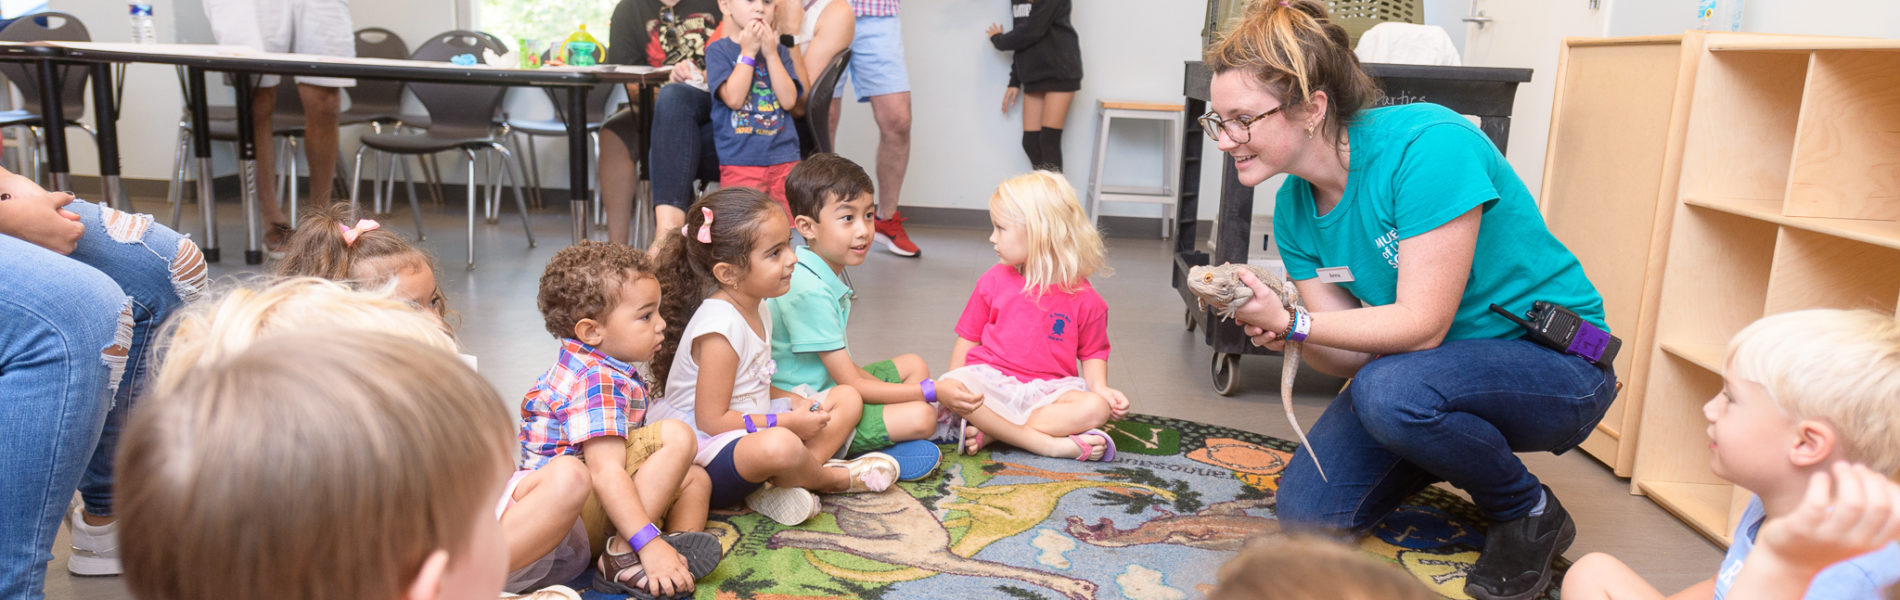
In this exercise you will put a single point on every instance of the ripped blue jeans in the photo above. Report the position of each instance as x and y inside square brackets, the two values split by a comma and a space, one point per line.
[75, 345]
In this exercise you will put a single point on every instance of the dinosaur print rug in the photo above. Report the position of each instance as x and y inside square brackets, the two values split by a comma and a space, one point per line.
[1181, 499]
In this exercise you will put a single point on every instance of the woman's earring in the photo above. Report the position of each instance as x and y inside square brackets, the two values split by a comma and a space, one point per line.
[1309, 131]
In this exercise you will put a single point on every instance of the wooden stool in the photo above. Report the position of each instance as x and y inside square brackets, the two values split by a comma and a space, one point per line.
[1165, 194]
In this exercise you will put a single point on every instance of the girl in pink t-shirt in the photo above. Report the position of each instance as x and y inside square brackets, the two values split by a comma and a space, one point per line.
[1030, 320]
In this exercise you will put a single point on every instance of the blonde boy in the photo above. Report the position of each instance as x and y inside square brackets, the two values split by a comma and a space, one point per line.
[317, 466]
[1803, 393]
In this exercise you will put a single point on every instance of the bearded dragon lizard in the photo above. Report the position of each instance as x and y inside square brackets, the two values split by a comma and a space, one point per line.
[1221, 288]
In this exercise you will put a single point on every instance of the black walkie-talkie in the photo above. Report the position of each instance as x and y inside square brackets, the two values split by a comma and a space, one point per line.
[1565, 331]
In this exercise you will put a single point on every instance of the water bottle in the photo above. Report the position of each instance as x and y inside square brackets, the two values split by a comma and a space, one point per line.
[143, 31]
[1705, 15]
[1734, 8]
[581, 49]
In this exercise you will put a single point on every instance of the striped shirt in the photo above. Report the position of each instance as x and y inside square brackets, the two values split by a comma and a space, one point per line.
[875, 8]
[585, 395]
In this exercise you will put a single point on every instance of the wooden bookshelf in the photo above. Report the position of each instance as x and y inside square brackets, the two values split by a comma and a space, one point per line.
[1788, 198]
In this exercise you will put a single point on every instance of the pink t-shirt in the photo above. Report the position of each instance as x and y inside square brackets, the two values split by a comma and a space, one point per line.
[1028, 337]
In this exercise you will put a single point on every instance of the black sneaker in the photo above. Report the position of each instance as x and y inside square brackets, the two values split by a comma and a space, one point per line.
[1515, 564]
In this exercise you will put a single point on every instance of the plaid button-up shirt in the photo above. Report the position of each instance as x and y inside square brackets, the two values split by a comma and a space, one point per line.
[875, 8]
[585, 395]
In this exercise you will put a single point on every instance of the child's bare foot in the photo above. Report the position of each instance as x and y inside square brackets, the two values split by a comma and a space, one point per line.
[973, 440]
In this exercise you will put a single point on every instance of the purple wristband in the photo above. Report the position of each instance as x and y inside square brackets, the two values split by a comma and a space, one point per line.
[930, 390]
[644, 536]
[771, 420]
[748, 61]
[749, 427]
[1302, 324]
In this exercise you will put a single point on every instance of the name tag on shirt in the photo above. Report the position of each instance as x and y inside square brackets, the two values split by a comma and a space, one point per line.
[1334, 274]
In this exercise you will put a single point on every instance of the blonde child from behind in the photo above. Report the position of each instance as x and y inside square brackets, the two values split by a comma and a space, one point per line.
[330, 245]
[832, 208]
[314, 464]
[1804, 394]
[1305, 567]
[602, 302]
[1031, 319]
[736, 252]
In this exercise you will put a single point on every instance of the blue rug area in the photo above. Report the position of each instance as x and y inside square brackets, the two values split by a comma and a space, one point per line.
[1154, 525]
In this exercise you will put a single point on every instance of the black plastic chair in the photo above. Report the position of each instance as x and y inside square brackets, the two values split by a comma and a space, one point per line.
[818, 104]
[461, 118]
[597, 98]
[40, 27]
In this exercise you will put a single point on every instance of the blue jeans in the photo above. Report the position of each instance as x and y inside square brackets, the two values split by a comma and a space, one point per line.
[1456, 413]
[682, 149]
[74, 354]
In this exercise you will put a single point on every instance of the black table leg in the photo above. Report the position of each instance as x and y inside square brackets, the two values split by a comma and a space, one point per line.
[576, 118]
[54, 122]
[247, 167]
[647, 93]
[105, 115]
[201, 153]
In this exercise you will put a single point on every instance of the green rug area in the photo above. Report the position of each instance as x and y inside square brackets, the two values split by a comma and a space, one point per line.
[1156, 524]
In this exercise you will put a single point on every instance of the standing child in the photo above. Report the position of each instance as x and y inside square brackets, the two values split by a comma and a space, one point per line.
[1047, 68]
[832, 203]
[1802, 394]
[290, 450]
[1029, 321]
[602, 301]
[737, 245]
[754, 92]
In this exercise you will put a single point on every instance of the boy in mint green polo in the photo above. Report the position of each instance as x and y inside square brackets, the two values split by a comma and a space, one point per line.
[832, 207]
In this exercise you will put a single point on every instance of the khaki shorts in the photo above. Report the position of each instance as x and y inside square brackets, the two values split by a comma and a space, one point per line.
[642, 443]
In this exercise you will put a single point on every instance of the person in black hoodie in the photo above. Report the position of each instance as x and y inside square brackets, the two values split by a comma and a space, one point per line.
[1047, 70]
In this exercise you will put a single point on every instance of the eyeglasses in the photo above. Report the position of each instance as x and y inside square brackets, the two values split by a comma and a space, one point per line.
[1239, 129]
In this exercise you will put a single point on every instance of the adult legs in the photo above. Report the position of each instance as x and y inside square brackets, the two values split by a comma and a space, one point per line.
[320, 107]
[892, 112]
[682, 151]
[263, 109]
[62, 346]
[617, 173]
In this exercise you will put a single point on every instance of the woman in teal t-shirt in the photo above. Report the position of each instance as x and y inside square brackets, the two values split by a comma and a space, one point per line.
[1443, 389]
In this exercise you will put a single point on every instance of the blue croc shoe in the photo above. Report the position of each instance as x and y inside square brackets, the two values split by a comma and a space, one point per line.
[916, 459]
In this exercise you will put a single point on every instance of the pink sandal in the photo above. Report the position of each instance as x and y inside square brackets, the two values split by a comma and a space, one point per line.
[1108, 451]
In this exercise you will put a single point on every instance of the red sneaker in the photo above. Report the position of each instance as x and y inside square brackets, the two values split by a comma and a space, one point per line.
[890, 233]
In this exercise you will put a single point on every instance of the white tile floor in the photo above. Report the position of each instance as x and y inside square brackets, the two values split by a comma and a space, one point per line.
[910, 305]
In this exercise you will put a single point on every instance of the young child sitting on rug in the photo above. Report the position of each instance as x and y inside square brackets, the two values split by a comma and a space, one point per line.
[1030, 320]
[1802, 392]
[737, 245]
[602, 302]
[309, 461]
[1304, 567]
[328, 244]
[832, 207]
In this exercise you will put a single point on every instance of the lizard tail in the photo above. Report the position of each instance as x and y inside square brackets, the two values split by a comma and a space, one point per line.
[1290, 366]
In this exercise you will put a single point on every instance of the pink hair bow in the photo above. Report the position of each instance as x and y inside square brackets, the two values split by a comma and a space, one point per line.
[705, 229]
[362, 226]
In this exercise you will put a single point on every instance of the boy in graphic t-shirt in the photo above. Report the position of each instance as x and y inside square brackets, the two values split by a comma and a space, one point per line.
[753, 88]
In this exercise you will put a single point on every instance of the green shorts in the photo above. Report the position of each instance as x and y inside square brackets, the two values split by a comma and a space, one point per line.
[871, 432]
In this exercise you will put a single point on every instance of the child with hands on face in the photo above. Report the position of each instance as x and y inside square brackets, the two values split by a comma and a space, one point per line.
[755, 87]
[761, 445]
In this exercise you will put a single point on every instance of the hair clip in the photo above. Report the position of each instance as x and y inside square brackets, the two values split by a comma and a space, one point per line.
[362, 226]
[705, 229]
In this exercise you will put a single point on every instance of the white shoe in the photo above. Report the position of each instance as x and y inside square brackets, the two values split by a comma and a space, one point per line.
[552, 592]
[95, 547]
[789, 506]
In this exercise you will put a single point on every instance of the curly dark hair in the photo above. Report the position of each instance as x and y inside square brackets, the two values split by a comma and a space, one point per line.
[686, 266]
[583, 281]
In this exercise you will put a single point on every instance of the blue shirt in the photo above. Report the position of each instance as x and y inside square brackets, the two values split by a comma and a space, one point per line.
[760, 132]
[1415, 167]
[1858, 578]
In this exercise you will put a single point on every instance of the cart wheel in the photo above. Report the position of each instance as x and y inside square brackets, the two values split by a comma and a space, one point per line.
[1190, 320]
[1226, 372]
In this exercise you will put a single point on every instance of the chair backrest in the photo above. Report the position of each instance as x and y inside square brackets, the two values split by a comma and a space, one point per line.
[818, 104]
[42, 27]
[380, 96]
[458, 109]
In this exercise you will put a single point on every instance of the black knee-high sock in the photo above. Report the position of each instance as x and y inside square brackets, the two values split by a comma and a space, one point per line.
[1032, 146]
[1051, 143]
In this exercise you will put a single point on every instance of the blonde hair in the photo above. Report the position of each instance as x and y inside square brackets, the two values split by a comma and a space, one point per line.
[212, 330]
[313, 465]
[1838, 366]
[1302, 567]
[1064, 248]
[1294, 49]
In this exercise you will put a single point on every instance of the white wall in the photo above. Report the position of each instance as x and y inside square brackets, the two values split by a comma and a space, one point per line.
[1866, 18]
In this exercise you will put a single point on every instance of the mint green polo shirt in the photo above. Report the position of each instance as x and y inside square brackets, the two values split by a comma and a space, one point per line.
[1414, 168]
[806, 321]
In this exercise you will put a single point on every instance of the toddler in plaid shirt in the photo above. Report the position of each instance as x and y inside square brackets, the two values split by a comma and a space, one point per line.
[602, 302]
